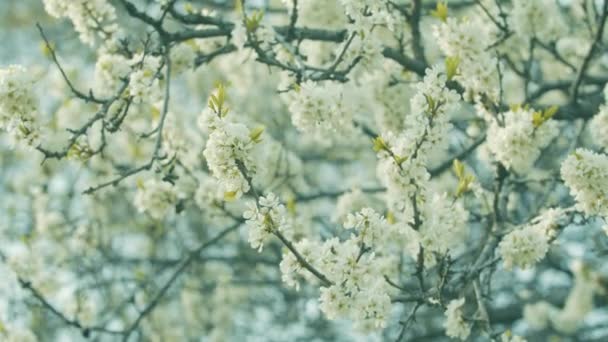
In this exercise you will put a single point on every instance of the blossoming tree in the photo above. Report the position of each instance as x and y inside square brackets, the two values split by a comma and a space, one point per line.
[177, 170]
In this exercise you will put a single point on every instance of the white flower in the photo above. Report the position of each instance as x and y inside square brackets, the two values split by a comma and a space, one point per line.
[541, 19]
[182, 57]
[372, 305]
[18, 105]
[143, 82]
[580, 299]
[320, 109]
[20, 335]
[333, 302]
[466, 39]
[586, 174]
[598, 127]
[289, 267]
[206, 195]
[155, 197]
[455, 325]
[349, 202]
[110, 72]
[229, 147]
[89, 17]
[433, 87]
[367, 14]
[403, 158]
[444, 223]
[263, 220]
[370, 226]
[538, 315]
[525, 246]
[239, 35]
[365, 47]
[517, 143]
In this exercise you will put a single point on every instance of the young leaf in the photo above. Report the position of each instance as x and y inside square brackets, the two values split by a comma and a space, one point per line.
[256, 134]
[451, 67]
[458, 168]
[229, 196]
[441, 11]
[379, 144]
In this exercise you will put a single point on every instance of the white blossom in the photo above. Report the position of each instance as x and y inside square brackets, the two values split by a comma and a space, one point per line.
[598, 127]
[455, 325]
[182, 57]
[229, 145]
[348, 203]
[18, 106]
[538, 315]
[369, 13]
[110, 71]
[90, 17]
[156, 198]
[444, 224]
[264, 218]
[541, 19]
[517, 142]
[465, 40]
[525, 246]
[586, 174]
[579, 301]
[143, 81]
[320, 109]
[370, 226]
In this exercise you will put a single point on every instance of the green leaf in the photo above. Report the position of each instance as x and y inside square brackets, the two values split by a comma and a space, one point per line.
[451, 67]
[400, 160]
[441, 11]
[217, 100]
[229, 196]
[430, 102]
[379, 144]
[390, 217]
[550, 112]
[291, 205]
[253, 21]
[537, 119]
[458, 168]
[256, 134]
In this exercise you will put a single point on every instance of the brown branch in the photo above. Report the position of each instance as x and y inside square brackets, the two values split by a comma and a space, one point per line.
[592, 50]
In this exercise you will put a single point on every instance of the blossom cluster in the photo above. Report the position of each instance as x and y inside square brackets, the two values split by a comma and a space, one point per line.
[518, 140]
[156, 198]
[320, 109]
[229, 148]
[455, 325]
[586, 174]
[527, 245]
[355, 269]
[143, 81]
[370, 13]
[598, 128]
[541, 19]
[464, 42]
[403, 157]
[18, 105]
[266, 216]
[89, 17]
[444, 225]
[140, 71]
[369, 225]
